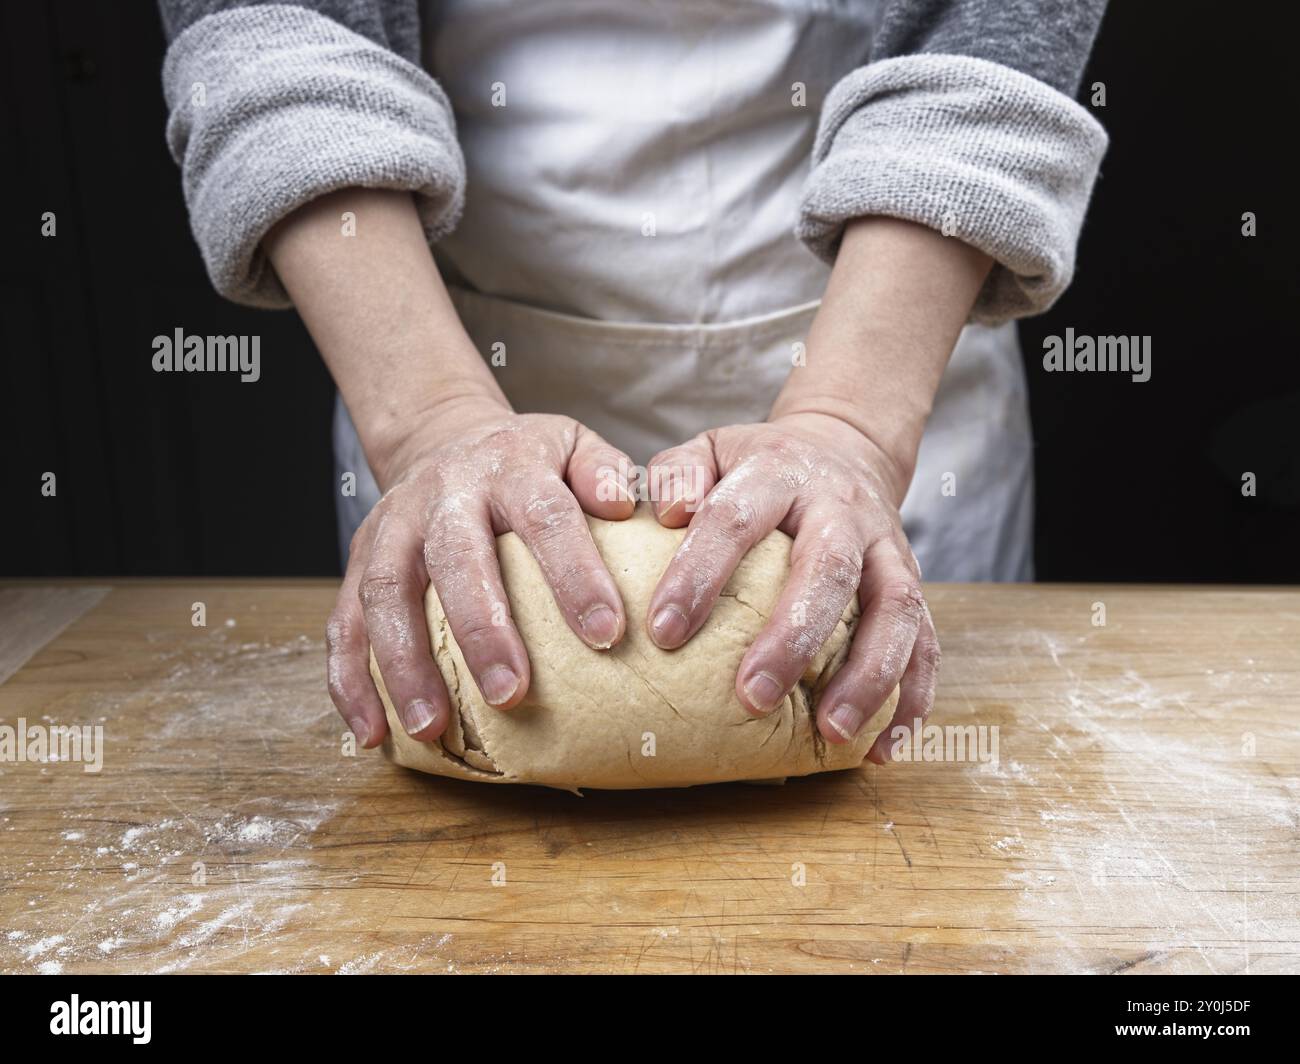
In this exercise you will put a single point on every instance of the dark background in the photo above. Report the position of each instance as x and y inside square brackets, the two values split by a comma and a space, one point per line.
[200, 474]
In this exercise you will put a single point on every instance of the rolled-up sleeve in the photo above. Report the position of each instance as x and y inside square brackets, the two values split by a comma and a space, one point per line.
[273, 105]
[975, 133]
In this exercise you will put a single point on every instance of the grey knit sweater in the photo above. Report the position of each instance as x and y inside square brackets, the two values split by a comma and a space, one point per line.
[963, 120]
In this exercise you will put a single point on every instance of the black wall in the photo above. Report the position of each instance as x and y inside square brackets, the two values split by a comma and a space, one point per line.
[1143, 481]
[187, 474]
[157, 473]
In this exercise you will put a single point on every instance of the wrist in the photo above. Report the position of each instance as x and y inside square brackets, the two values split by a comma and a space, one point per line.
[845, 436]
[895, 425]
[393, 446]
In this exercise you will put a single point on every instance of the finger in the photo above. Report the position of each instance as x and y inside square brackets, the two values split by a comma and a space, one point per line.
[347, 656]
[549, 520]
[679, 479]
[460, 556]
[892, 611]
[391, 593]
[601, 477]
[825, 570]
[916, 693]
[744, 507]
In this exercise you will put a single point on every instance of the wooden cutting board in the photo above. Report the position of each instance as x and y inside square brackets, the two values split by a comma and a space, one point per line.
[1143, 814]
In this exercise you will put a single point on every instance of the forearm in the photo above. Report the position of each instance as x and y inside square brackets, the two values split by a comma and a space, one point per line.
[964, 120]
[894, 306]
[379, 312]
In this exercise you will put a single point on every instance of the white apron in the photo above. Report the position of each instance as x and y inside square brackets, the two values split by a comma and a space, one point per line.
[634, 171]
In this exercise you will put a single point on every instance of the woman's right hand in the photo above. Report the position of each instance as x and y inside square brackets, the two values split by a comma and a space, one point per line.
[469, 472]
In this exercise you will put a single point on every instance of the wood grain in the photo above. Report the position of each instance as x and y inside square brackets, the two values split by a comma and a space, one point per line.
[1142, 815]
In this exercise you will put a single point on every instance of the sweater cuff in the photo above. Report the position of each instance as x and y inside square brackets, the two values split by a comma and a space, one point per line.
[274, 106]
[981, 152]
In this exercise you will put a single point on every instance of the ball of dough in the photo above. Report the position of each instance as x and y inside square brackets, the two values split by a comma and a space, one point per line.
[632, 716]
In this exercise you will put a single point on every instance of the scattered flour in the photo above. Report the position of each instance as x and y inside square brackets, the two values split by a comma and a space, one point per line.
[211, 878]
[1116, 809]
[41, 947]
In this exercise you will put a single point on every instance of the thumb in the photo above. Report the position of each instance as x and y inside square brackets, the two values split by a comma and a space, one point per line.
[601, 477]
[679, 478]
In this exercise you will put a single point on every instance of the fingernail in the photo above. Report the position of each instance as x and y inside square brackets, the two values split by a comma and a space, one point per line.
[417, 716]
[666, 508]
[360, 729]
[600, 627]
[669, 628]
[764, 692]
[498, 684]
[847, 720]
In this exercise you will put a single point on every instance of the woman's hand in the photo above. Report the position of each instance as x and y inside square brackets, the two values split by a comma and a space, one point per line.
[836, 493]
[472, 471]
[830, 467]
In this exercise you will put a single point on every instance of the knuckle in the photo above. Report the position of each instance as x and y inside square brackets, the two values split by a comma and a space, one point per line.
[839, 564]
[339, 631]
[905, 598]
[447, 548]
[479, 642]
[400, 661]
[779, 445]
[930, 656]
[736, 517]
[339, 691]
[850, 495]
[379, 588]
[343, 684]
[474, 630]
[546, 517]
[797, 456]
[447, 507]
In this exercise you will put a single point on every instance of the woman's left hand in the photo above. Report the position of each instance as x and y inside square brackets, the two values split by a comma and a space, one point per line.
[826, 485]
